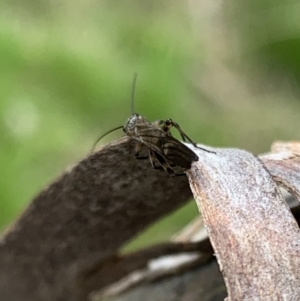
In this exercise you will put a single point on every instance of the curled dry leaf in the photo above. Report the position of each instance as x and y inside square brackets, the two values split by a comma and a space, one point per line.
[284, 165]
[255, 237]
[151, 265]
[244, 183]
[286, 146]
[83, 217]
[63, 247]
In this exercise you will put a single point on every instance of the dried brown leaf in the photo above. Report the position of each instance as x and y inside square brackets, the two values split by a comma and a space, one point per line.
[254, 235]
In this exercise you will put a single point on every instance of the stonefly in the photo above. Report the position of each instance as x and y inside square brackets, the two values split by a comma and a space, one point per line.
[164, 151]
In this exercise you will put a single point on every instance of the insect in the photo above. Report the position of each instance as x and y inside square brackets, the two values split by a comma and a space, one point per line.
[164, 151]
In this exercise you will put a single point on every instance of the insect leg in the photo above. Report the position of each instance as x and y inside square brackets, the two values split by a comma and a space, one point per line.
[153, 159]
[185, 136]
[137, 150]
[164, 164]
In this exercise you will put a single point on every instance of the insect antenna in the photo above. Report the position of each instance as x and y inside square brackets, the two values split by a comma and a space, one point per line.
[132, 93]
[95, 144]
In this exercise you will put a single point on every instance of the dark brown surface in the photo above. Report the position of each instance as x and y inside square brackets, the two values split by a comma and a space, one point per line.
[89, 212]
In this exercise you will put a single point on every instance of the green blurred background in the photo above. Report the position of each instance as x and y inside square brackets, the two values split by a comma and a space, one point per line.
[228, 73]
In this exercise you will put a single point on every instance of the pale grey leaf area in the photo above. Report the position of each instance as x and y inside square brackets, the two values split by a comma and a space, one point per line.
[248, 223]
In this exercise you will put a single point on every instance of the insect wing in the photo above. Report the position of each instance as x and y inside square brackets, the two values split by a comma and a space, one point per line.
[178, 153]
[168, 147]
[165, 145]
[151, 137]
[157, 137]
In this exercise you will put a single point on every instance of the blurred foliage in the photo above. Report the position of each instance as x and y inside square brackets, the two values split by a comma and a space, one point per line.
[228, 74]
[269, 37]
